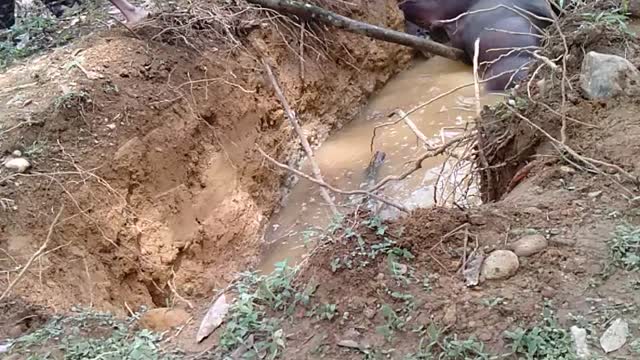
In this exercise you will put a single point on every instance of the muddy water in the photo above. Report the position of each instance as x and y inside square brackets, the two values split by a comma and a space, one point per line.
[344, 157]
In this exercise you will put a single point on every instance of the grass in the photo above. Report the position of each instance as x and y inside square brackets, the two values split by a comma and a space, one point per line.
[88, 334]
[624, 248]
[438, 346]
[547, 341]
[249, 315]
[31, 35]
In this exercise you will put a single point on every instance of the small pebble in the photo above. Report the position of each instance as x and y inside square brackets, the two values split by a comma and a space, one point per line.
[111, 126]
[16, 153]
[18, 164]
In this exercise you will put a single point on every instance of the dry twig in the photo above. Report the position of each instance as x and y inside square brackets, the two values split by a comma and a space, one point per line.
[33, 257]
[303, 139]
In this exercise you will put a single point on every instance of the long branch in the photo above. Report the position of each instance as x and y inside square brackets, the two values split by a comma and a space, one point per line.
[307, 11]
[303, 139]
[324, 185]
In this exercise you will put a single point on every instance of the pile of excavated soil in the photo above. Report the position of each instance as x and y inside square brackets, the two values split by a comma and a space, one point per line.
[148, 145]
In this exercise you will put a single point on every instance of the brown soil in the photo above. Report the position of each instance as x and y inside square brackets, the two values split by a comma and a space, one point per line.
[532, 188]
[153, 152]
[175, 194]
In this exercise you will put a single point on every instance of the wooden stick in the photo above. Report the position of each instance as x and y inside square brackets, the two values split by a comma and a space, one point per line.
[324, 185]
[33, 257]
[307, 11]
[303, 139]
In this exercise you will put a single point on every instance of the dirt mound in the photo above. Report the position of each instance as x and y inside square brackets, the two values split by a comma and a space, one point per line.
[149, 143]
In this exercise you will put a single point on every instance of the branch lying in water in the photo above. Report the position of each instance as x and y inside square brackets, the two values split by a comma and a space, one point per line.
[303, 139]
[307, 11]
[329, 187]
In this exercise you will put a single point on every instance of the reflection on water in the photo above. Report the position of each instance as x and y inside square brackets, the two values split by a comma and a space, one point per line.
[345, 155]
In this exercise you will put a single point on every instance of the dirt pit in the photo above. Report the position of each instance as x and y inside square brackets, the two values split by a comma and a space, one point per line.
[148, 149]
[147, 186]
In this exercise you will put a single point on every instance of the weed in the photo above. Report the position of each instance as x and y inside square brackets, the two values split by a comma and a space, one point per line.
[248, 315]
[91, 335]
[624, 248]
[615, 18]
[31, 35]
[547, 341]
[400, 272]
[36, 148]
[448, 347]
[71, 100]
[392, 323]
[426, 284]
[327, 312]
[492, 302]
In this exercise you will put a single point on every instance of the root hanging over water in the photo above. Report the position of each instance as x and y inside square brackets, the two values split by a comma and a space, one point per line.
[545, 110]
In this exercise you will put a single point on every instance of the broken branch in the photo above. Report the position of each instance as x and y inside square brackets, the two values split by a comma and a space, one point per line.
[303, 139]
[324, 185]
[33, 257]
[307, 11]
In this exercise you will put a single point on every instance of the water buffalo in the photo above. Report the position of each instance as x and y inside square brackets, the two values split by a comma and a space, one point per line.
[509, 31]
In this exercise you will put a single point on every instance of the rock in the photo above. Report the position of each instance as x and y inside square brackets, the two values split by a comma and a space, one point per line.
[16, 153]
[214, 317]
[604, 76]
[615, 336]
[18, 164]
[369, 313]
[5, 347]
[567, 169]
[594, 194]
[450, 315]
[529, 245]
[485, 336]
[532, 210]
[111, 126]
[163, 319]
[499, 264]
[580, 345]
[349, 344]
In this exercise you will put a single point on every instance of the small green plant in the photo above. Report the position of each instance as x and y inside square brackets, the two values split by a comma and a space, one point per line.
[248, 315]
[426, 284]
[392, 323]
[327, 312]
[450, 347]
[492, 302]
[615, 18]
[30, 35]
[547, 341]
[624, 248]
[90, 335]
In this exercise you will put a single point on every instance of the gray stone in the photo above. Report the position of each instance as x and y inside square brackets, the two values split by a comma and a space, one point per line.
[529, 245]
[579, 336]
[500, 264]
[604, 76]
[615, 336]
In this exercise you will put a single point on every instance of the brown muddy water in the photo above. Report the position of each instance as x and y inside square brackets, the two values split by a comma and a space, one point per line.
[344, 157]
